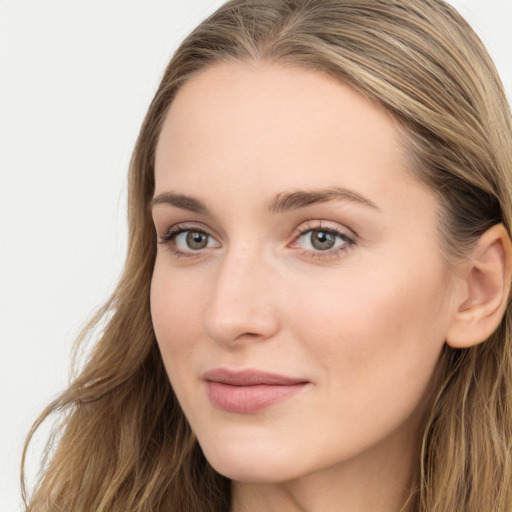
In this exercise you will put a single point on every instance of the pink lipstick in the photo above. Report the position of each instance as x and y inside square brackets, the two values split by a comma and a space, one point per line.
[249, 391]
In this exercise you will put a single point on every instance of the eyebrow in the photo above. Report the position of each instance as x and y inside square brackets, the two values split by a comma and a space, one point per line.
[282, 202]
[179, 201]
[300, 199]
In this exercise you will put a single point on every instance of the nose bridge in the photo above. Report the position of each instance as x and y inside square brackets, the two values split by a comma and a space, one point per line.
[241, 302]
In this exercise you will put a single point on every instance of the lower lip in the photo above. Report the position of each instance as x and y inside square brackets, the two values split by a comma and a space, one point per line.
[247, 399]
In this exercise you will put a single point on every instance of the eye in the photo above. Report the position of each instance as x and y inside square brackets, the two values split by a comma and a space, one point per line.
[186, 240]
[320, 240]
[193, 240]
[323, 241]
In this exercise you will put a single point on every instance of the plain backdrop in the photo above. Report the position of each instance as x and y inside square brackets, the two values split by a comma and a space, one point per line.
[75, 81]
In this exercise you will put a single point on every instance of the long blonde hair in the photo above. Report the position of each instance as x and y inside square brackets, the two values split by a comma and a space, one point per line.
[123, 444]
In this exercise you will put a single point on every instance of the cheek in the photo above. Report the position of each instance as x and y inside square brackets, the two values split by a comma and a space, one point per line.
[175, 312]
[176, 318]
[379, 335]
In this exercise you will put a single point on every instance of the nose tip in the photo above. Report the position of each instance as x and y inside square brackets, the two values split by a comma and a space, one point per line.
[241, 307]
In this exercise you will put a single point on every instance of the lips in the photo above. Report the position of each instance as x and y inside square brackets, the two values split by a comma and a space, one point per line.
[249, 391]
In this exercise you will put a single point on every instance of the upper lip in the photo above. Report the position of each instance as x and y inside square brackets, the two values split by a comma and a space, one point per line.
[249, 378]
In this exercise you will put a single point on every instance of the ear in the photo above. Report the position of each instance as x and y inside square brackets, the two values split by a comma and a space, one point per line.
[483, 295]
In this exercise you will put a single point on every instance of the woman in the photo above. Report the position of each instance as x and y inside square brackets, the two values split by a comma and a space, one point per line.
[314, 310]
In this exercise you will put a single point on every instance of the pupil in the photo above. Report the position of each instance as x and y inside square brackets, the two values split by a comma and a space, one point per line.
[322, 240]
[196, 240]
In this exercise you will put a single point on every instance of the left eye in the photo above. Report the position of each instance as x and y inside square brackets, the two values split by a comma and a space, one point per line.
[322, 240]
[194, 241]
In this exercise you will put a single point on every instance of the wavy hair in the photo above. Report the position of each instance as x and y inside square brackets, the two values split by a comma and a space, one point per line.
[122, 442]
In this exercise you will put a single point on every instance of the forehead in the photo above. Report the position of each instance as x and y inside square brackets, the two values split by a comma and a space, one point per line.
[275, 127]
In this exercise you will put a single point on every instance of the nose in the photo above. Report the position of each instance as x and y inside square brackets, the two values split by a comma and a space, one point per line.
[242, 302]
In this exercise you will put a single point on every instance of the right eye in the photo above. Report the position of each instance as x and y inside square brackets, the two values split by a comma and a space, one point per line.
[186, 240]
[193, 240]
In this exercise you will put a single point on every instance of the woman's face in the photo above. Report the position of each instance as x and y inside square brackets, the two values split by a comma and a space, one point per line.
[300, 297]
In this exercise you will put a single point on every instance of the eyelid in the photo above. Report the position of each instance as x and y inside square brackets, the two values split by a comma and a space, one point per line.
[180, 227]
[171, 234]
[334, 228]
[331, 226]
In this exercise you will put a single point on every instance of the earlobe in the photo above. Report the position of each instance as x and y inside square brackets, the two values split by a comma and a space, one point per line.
[482, 303]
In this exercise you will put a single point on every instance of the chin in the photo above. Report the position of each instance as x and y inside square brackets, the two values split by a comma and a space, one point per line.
[244, 465]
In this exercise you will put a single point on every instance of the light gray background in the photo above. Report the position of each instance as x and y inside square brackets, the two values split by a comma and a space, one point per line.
[75, 81]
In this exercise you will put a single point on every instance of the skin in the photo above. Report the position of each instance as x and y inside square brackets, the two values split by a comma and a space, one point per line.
[364, 323]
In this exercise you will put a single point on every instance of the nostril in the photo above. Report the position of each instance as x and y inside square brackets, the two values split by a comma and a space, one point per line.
[242, 323]
[240, 308]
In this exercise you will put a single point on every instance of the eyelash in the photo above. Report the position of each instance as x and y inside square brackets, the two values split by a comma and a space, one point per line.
[169, 239]
[348, 241]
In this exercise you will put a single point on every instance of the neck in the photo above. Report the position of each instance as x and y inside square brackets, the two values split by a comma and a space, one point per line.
[379, 480]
